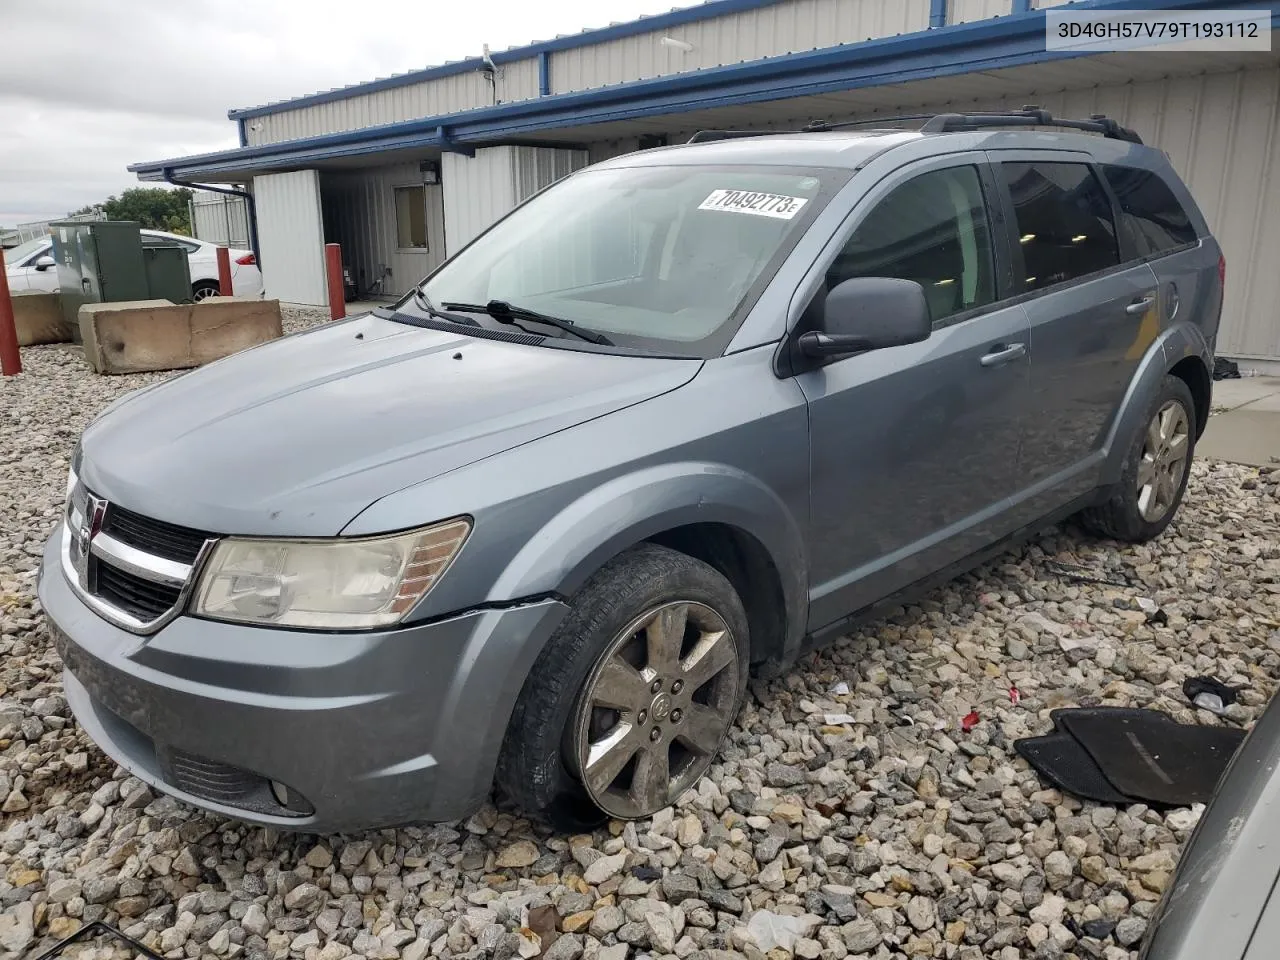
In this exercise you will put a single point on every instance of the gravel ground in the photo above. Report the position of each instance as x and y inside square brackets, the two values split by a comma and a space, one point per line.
[850, 814]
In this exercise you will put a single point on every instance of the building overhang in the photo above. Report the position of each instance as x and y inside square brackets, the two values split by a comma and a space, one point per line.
[922, 67]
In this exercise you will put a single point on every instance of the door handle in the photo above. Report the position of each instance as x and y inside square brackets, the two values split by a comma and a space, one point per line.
[1003, 353]
[1140, 306]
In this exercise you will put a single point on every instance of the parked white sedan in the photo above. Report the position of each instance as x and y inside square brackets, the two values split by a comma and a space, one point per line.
[30, 266]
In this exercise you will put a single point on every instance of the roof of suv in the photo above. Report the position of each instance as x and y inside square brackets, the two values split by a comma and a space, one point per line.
[853, 148]
[833, 149]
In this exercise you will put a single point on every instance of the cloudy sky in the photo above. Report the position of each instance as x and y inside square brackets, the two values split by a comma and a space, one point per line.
[89, 86]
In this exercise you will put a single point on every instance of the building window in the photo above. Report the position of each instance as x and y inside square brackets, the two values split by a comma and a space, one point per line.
[411, 218]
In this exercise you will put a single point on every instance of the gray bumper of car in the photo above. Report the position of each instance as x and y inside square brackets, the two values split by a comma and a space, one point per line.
[372, 729]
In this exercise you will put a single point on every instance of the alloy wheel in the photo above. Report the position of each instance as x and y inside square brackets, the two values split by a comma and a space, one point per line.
[656, 708]
[1164, 461]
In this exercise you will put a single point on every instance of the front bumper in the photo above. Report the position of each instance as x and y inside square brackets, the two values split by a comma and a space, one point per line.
[371, 729]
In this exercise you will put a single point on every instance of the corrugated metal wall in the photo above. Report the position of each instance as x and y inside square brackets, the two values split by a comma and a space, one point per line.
[963, 11]
[1221, 132]
[477, 190]
[220, 219]
[290, 236]
[786, 27]
[463, 91]
[480, 189]
[360, 214]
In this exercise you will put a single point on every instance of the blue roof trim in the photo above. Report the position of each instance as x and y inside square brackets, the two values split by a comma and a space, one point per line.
[661, 21]
[961, 48]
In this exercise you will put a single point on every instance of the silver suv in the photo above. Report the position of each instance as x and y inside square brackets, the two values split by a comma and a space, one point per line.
[685, 414]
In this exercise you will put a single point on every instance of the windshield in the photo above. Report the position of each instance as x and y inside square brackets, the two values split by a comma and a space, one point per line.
[17, 254]
[651, 257]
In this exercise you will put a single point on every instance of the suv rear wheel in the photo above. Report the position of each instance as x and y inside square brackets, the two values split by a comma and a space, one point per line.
[1155, 471]
[631, 699]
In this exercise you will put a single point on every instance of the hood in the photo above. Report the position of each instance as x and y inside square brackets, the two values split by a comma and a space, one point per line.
[296, 437]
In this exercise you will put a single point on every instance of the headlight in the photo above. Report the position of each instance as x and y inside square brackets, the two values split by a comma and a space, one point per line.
[337, 584]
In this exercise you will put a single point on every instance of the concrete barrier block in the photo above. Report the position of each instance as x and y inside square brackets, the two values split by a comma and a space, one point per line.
[145, 335]
[38, 317]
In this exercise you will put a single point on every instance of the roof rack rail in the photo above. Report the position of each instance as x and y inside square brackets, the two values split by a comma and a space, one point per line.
[822, 126]
[1028, 116]
[710, 136]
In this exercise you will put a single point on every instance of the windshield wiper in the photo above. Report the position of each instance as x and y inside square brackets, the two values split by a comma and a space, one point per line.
[424, 303]
[504, 312]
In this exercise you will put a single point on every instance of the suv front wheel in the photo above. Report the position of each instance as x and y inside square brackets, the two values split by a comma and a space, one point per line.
[1156, 470]
[629, 702]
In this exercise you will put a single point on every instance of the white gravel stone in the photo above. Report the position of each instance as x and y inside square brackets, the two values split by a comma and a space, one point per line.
[888, 827]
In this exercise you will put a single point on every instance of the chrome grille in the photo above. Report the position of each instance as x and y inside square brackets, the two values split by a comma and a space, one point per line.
[134, 571]
[136, 596]
[154, 536]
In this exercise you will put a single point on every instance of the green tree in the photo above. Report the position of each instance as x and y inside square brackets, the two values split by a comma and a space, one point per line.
[156, 208]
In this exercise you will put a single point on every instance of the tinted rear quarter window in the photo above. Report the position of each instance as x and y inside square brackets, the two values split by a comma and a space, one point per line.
[1157, 219]
[1064, 221]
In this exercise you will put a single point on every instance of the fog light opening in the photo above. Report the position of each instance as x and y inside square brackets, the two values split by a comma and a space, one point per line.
[280, 792]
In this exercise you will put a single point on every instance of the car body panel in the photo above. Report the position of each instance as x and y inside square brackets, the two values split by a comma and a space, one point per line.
[549, 513]
[408, 403]
[373, 708]
[852, 478]
[1220, 902]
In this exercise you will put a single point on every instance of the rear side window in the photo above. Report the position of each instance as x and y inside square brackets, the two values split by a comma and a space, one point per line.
[1154, 213]
[932, 229]
[1064, 221]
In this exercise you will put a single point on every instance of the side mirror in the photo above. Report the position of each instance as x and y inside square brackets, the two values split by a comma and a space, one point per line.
[45, 263]
[869, 313]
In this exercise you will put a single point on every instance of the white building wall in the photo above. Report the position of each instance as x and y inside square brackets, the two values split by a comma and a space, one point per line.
[290, 236]
[787, 27]
[964, 11]
[360, 213]
[478, 190]
[430, 98]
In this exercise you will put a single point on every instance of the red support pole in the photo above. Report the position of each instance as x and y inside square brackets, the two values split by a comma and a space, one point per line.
[224, 272]
[10, 357]
[337, 294]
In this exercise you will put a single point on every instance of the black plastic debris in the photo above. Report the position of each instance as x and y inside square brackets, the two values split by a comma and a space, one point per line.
[1224, 369]
[1123, 755]
[97, 929]
[1209, 694]
[1076, 573]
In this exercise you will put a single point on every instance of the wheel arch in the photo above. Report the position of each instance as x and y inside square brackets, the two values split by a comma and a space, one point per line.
[1181, 351]
[1193, 372]
[746, 563]
[712, 512]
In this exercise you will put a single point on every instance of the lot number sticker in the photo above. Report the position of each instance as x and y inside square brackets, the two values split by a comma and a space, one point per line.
[773, 205]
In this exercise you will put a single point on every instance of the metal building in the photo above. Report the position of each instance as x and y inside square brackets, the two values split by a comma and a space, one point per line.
[405, 170]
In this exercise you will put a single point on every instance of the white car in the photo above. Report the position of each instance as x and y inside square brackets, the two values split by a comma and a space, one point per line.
[30, 266]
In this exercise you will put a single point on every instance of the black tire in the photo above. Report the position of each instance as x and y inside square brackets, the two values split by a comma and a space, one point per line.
[536, 770]
[204, 288]
[1119, 516]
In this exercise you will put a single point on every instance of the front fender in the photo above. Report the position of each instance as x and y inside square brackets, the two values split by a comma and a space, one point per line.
[1171, 347]
[604, 522]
